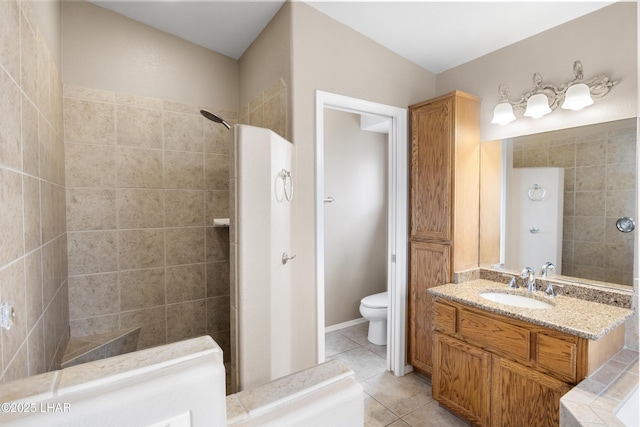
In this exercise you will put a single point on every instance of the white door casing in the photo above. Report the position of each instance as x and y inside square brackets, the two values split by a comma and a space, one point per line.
[397, 217]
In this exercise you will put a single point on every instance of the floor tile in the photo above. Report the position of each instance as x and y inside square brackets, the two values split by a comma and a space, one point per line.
[399, 423]
[364, 363]
[380, 350]
[388, 400]
[375, 414]
[401, 395]
[433, 415]
[336, 343]
[357, 333]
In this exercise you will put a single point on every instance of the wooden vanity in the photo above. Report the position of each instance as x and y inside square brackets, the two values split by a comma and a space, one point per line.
[496, 370]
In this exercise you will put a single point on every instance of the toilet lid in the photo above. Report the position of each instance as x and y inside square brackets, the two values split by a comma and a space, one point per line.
[376, 300]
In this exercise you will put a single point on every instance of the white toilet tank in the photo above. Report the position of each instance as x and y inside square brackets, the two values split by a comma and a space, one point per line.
[380, 300]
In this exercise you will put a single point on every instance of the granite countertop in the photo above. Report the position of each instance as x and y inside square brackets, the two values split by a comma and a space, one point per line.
[586, 319]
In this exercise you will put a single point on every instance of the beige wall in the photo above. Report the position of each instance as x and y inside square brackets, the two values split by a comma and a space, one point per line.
[355, 170]
[268, 59]
[328, 56]
[606, 43]
[47, 14]
[33, 242]
[104, 50]
[264, 72]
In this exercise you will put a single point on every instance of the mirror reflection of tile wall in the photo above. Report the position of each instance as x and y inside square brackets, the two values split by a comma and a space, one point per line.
[600, 176]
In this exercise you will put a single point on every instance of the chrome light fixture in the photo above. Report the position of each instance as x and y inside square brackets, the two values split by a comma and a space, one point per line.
[545, 97]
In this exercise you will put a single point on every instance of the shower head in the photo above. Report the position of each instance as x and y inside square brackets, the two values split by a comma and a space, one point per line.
[214, 118]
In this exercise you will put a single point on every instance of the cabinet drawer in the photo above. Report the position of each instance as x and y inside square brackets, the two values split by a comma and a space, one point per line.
[499, 336]
[556, 355]
[445, 318]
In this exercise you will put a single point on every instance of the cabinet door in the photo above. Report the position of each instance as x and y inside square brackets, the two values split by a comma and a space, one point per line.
[431, 170]
[429, 267]
[462, 380]
[523, 397]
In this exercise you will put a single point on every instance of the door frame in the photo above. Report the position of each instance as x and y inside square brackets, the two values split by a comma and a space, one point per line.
[397, 221]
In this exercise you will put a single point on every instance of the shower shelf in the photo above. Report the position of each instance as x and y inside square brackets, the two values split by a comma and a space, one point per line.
[221, 222]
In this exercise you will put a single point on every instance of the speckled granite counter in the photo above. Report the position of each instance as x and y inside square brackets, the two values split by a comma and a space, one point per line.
[586, 319]
[584, 289]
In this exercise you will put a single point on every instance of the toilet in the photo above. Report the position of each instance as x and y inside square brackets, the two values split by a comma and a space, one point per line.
[374, 309]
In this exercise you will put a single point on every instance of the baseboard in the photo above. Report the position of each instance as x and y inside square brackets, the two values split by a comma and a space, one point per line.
[343, 325]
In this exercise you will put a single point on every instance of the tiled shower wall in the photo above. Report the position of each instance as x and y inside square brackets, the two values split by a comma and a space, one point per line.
[599, 188]
[145, 179]
[33, 240]
[268, 110]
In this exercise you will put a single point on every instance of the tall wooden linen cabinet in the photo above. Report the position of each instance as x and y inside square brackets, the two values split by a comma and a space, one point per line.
[443, 207]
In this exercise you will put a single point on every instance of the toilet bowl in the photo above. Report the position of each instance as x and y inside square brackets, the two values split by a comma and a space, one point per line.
[374, 309]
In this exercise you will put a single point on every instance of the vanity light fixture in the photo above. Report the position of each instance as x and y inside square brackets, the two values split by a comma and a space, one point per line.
[545, 97]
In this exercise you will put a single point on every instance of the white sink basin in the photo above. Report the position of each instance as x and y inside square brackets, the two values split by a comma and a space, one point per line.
[515, 300]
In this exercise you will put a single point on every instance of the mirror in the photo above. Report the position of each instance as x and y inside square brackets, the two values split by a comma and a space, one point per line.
[599, 166]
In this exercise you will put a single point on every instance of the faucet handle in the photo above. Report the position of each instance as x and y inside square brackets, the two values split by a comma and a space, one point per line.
[549, 291]
[513, 283]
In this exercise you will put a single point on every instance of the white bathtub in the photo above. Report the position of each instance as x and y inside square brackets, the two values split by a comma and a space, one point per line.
[629, 410]
[615, 405]
[143, 388]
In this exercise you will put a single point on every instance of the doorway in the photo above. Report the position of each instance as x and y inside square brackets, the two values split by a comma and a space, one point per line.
[396, 216]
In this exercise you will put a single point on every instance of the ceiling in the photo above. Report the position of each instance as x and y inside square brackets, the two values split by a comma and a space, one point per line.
[435, 35]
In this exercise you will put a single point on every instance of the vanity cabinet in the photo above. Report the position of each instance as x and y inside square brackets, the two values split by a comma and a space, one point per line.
[443, 207]
[497, 371]
[429, 268]
[523, 396]
[463, 376]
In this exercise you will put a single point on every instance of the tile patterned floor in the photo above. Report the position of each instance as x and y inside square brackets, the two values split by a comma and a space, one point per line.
[389, 400]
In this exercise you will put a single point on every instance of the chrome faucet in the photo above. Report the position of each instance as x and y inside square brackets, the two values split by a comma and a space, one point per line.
[546, 267]
[544, 271]
[530, 275]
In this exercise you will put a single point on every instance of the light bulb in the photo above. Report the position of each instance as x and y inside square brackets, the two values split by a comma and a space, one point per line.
[537, 106]
[577, 97]
[503, 114]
